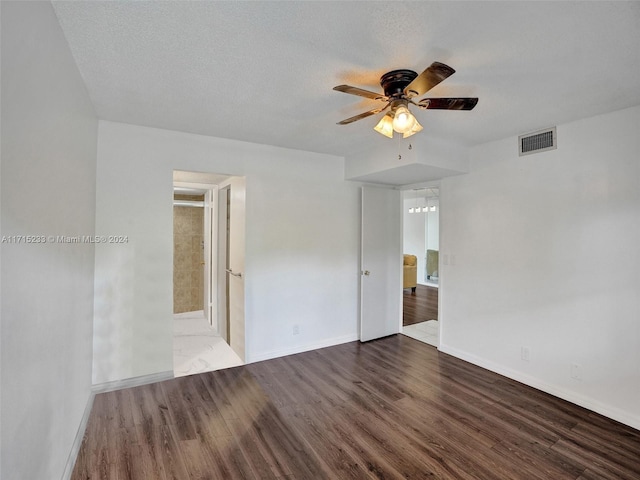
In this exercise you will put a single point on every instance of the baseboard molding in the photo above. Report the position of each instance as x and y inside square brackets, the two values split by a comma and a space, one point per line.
[102, 388]
[563, 393]
[132, 382]
[77, 441]
[330, 342]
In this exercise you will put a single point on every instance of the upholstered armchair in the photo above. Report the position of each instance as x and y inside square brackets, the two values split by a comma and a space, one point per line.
[410, 272]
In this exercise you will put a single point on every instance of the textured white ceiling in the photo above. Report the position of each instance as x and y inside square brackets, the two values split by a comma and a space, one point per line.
[264, 71]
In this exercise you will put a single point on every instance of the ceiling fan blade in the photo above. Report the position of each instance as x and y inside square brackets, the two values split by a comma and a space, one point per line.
[428, 79]
[360, 92]
[362, 115]
[448, 103]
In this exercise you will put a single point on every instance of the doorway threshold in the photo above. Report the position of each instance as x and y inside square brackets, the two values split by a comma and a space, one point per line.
[198, 348]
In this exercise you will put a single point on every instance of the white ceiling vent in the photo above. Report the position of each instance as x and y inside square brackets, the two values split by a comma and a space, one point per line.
[535, 142]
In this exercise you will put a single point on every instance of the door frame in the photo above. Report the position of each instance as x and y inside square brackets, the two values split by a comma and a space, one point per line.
[222, 287]
[420, 186]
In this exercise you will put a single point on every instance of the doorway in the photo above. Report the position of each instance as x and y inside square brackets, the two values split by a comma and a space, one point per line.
[421, 239]
[202, 206]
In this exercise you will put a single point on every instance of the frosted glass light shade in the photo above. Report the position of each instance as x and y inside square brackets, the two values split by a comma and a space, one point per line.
[415, 129]
[385, 126]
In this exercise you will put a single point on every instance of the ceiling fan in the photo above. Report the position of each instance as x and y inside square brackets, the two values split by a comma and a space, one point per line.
[400, 87]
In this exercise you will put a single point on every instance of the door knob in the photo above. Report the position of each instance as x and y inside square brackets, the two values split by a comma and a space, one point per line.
[366, 272]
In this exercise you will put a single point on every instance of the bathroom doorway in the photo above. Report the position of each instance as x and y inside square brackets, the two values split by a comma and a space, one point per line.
[202, 337]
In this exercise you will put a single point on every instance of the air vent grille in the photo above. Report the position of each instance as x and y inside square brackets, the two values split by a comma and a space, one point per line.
[537, 141]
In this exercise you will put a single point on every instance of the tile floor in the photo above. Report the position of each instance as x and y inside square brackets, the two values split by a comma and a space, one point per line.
[432, 282]
[197, 348]
[427, 332]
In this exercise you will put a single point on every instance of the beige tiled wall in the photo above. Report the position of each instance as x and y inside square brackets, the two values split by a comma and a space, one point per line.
[188, 257]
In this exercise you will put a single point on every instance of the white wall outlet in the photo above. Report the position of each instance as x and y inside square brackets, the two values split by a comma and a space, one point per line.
[525, 354]
[296, 329]
[445, 259]
[576, 371]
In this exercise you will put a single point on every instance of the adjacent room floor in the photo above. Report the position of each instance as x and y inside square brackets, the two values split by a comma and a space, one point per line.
[420, 314]
[427, 332]
[197, 348]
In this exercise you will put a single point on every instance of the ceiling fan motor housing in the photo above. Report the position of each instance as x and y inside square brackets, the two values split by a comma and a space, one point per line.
[395, 81]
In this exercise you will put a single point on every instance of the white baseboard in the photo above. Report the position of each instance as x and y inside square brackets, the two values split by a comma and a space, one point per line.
[132, 382]
[330, 342]
[563, 393]
[102, 388]
[77, 441]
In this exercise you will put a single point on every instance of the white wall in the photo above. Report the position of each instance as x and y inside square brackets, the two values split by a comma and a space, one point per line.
[545, 253]
[49, 138]
[302, 244]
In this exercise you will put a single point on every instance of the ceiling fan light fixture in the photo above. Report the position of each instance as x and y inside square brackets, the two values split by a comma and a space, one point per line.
[385, 126]
[403, 120]
[400, 88]
[415, 129]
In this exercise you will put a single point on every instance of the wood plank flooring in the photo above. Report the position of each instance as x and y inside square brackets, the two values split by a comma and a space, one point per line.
[387, 409]
[419, 306]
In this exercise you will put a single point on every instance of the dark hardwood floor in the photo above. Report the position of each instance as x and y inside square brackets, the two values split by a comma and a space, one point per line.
[419, 306]
[387, 409]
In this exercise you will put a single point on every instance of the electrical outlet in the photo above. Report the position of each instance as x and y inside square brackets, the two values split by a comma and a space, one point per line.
[576, 371]
[296, 329]
[525, 354]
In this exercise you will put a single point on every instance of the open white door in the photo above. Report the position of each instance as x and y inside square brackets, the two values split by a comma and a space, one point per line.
[381, 262]
[236, 271]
